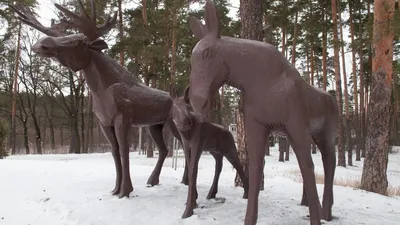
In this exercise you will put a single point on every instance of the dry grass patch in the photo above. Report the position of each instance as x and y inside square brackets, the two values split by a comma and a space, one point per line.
[350, 182]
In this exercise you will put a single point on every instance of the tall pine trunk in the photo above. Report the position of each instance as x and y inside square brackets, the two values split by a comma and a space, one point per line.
[347, 122]
[251, 15]
[341, 152]
[374, 177]
[362, 97]
[121, 33]
[14, 96]
[324, 52]
[355, 89]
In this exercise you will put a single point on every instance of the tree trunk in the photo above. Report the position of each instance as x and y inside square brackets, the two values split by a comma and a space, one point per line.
[14, 96]
[251, 15]
[44, 133]
[355, 89]
[51, 127]
[282, 149]
[267, 148]
[324, 53]
[89, 127]
[62, 135]
[294, 39]
[173, 47]
[287, 148]
[121, 32]
[26, 137]
[362, 98]
[82, 113]
[38, 138]
[395, 131]
[283, 40]
[241, 143]
[347, 126]
[341, 152]
[75, 144]
[374, 177]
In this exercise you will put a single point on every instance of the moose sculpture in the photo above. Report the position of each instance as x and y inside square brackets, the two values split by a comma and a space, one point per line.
[119, 100]
[199, 135]
[276, 99]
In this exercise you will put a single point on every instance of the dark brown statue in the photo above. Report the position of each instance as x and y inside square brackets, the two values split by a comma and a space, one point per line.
[276, 99]
[119, 100]
[199, 135]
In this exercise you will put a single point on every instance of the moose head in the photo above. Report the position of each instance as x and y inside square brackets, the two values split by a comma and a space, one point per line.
[208, 71]
[180, 111]
[71, 50]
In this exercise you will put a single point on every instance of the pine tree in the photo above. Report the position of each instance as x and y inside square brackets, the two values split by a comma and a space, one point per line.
[374, 176]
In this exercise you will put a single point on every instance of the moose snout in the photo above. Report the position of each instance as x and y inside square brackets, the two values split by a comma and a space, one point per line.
[43, 45]
[200, 104]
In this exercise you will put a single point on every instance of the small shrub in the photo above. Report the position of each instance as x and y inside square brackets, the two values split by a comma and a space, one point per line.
[4, 130]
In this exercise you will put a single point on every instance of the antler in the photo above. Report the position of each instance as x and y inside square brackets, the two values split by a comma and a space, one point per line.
[86, 24]
[28, 17]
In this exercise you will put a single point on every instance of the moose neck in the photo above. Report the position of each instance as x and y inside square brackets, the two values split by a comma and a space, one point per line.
[249, 61]
[102, 72]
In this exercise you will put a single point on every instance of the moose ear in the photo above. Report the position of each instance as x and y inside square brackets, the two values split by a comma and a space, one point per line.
[98, 45]
[198, 29]
[186, 94]
[212, 20]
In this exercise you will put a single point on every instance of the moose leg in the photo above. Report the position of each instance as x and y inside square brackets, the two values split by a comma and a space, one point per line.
[328, 154]
[233, 158]
[175, 132]
[121, 132]
[304, 200]
[157, 135]
[218, 167]
[109, 133]
[255, 133]
[301, 145]
[193, 169]
[185, 178]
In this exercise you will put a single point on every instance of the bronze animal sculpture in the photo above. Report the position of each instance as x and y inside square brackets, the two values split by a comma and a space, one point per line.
[199, 135]
[119, 100]
[276, 99]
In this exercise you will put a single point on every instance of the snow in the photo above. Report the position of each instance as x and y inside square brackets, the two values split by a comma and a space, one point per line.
[75, 189]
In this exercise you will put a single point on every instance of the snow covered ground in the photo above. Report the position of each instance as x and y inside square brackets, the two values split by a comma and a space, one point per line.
[75, 189]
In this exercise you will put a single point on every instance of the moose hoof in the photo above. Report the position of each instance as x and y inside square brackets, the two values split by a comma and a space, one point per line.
[304, 202]
[153, 181]
[185, 182]
[115, 191]
[187, 213]
[125, 192]
[211, 195]
[327, 214]
[315, 222]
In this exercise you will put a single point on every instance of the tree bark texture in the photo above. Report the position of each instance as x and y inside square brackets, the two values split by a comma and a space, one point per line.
[341, 152]
[355, 88]
[251, 16]
[14, 96]
[374, 176]
[347, 125]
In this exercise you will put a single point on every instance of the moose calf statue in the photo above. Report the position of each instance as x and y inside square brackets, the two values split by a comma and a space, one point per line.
[276, 99]
[200, 135]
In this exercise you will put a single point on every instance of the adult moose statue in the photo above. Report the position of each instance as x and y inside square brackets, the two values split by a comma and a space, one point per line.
[119, 100]
[276, 99]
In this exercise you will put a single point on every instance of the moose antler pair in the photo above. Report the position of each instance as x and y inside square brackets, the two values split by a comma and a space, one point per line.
[83, 23]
